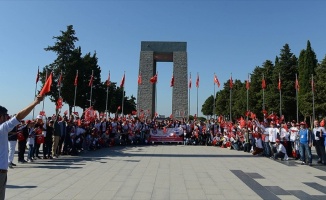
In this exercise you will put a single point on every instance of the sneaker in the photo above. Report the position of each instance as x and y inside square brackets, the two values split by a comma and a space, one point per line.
[13, 164]
[303, 163]
[10, 166]
[30, 160]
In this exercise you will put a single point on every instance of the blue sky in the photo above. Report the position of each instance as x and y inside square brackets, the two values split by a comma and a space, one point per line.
[223, 36]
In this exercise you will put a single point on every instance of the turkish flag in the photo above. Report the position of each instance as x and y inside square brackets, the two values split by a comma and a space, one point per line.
[153, 79]
[139, 79]
[37, 75]
[47, 86]
[90, 84]
[59, 103]
[190, 82]
[172, 81]
[216, 81]
[263, 84]
[108, 82]
[122, 83]
[197, 81]
[60, 80]
[231, 83]
[247, 84]
[76, 79]
[297, 86]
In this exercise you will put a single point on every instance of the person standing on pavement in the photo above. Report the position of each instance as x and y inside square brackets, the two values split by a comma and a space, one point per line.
[56, 138]
[39, 128]
[305, 143]
[318, 132]
[63, 128]
[47, 146]
[12, 142]
[6, 126]
[22, 143]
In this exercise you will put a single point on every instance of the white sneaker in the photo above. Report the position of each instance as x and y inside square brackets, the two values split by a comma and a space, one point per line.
[286, 157]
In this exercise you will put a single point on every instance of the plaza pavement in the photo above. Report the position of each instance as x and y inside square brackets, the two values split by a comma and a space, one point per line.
[165, 172]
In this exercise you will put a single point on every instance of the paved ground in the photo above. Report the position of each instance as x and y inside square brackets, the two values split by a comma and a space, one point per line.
[165, 172]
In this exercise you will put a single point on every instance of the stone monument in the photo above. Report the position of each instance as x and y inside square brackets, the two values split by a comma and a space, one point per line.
[151, 53]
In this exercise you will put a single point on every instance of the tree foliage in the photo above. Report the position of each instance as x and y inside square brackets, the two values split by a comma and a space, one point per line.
[69, 61]
[283, 101]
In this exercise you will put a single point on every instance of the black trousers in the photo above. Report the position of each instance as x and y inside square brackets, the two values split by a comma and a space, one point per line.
[47, 148]
[320, 149]
[21, 150]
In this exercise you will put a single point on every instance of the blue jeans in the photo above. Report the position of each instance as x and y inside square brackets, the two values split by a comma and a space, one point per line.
[304, 148]
[30, 152]
[267, 150]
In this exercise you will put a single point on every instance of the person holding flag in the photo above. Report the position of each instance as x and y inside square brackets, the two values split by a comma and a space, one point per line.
[7, 125]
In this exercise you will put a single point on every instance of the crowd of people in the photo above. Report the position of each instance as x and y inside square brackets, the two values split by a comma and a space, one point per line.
[60, 135]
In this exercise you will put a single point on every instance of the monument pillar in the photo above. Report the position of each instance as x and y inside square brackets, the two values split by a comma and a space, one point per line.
[151, 53]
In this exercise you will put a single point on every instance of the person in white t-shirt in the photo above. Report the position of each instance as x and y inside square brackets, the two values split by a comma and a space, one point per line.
[272, 136]
[6, 126]
[294, 139]
[280, 150]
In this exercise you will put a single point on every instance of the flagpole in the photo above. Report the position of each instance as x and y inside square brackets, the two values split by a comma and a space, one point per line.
[263, 93]
[197, 94]
[155, 95]
[46, 77]
[189, 97]
[313, 97]
[60, 83]
[231, 99]
[247, 97]
[230, 104]
[107, 95]
[75, 83]
[138, 95]
[37, 77]
[91, 84]
[280, 89]
[214, 97]
[296, 94]
[123, 91]
[34, 97]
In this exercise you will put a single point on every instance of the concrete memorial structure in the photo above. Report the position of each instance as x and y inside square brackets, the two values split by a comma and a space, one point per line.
[150, 54]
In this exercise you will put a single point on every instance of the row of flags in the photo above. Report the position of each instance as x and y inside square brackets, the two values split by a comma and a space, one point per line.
[154, 80]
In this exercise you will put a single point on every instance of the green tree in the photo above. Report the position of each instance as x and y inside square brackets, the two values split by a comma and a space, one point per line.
[239, 100]
[256, 92]
[287, 67]
[207, 107]
[306, 68]
[64, 47]
[69, 60]
[223, 100]
[320, 89]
